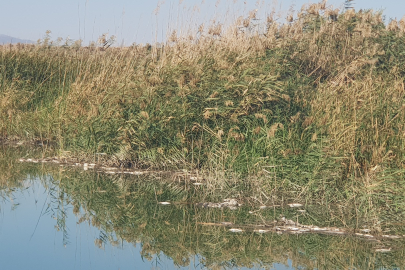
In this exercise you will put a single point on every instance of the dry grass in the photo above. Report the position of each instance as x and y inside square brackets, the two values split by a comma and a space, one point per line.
[319, 98]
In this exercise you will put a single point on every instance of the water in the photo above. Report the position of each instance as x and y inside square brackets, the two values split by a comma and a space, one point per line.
[31, 238]
[53, 217]
[31, 241]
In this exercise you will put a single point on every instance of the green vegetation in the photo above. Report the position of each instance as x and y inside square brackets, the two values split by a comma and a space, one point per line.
[313, 108]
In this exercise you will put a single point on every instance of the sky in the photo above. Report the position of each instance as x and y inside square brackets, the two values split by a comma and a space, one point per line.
[143, 21]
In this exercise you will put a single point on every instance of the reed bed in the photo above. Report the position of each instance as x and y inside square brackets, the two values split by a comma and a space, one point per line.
[310, 106]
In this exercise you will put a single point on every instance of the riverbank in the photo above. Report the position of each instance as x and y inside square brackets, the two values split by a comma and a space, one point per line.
[313, 107]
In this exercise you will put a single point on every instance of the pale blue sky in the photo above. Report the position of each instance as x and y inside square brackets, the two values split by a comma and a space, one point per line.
[135, 21]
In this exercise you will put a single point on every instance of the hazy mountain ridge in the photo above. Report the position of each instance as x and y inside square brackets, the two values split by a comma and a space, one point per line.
[4, 39]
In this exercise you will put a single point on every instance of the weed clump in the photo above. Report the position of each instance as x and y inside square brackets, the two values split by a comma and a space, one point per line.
[314, 102]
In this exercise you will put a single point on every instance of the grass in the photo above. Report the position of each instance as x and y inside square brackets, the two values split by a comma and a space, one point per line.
[313, 107]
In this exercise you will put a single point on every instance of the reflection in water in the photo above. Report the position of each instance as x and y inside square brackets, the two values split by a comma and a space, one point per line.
[31, 237]
[55, 217]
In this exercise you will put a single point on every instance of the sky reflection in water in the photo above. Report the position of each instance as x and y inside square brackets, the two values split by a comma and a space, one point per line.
[29, 239]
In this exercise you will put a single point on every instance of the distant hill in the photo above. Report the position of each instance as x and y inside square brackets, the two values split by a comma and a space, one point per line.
[7, 40]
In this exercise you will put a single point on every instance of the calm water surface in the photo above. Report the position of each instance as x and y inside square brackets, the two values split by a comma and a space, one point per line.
[54, 217]
[30, 238]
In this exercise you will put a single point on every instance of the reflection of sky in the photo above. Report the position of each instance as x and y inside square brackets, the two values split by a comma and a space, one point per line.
[23, 245]
[29, 240]
[279, 266]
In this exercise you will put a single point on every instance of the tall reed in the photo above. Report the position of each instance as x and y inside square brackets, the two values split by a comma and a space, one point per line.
[314, 101]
